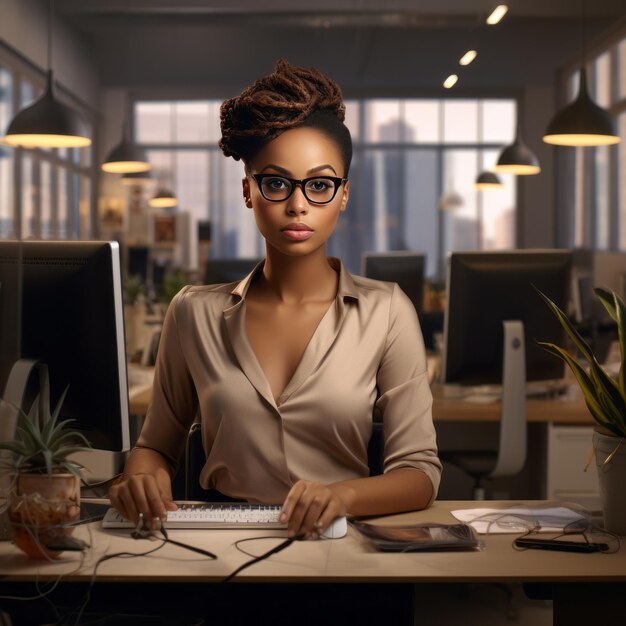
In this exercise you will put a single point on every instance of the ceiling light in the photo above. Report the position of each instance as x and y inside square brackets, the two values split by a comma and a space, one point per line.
[497, 14]
[450, 81]
[468, 57]
[126, 157]
[517, 158]
[163, 199]
[451, 200]
[47, 123]
[487, 181]
[136, 178]
[582, 123]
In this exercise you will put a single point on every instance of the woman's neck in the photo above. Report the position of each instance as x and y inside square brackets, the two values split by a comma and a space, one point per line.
[298, 279]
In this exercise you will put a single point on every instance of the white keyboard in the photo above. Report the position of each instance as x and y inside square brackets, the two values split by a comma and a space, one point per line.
[210, 515]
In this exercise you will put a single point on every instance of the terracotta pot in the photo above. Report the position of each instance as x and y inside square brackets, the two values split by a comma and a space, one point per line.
[611, 464]
[42, 511]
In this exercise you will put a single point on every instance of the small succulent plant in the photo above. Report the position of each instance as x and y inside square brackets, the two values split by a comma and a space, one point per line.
[42, 443]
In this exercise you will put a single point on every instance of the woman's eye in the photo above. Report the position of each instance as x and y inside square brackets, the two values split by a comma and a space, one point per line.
[276, 184]
[320, 184]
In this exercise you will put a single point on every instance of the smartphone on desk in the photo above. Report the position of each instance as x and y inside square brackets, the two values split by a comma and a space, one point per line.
[560, 545]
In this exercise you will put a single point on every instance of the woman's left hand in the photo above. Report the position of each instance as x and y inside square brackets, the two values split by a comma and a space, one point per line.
[310, 508]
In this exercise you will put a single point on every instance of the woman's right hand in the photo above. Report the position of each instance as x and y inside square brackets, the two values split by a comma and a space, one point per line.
[146, 493]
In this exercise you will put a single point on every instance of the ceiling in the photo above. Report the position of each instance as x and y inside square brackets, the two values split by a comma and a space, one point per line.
[368, 45]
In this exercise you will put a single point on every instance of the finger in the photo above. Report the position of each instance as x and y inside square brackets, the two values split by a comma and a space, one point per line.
[154, 498]
[318, 504]
[290, 501]
[138, 486]
[130, 511]
[300, 511]
[116, 501]
[328, 516]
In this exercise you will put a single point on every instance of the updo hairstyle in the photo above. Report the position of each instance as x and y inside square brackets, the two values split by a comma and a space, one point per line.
[289, 97]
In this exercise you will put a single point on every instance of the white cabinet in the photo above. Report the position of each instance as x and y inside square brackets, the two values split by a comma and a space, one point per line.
[569, 448]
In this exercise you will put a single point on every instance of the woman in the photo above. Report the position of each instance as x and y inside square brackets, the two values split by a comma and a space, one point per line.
[286, 367]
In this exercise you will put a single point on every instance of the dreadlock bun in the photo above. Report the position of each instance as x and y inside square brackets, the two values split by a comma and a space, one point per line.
[289, 97]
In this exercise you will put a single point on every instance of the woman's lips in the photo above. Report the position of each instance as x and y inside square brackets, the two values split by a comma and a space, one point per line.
[297, 231]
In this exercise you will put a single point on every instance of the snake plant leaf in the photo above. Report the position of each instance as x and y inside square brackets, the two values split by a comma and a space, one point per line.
[569, 328]
[607, 300]
[610, 397]
[620, 314]
[585, 383]
[57, 408]
[47, 455]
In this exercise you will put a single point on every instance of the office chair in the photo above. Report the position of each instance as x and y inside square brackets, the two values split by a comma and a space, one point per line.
[185, 485]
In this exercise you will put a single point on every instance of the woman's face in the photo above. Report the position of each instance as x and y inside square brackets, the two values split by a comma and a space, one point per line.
[298, 153]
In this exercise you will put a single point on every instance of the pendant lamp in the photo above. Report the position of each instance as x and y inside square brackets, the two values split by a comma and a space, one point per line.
[487, 181]
[136, 178]
[450, 200]
[582, 123]
[126, 157]
[517, 158]
[163, 199]
[47, 123]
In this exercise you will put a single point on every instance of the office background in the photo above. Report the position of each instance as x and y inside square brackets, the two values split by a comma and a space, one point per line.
[165, 66]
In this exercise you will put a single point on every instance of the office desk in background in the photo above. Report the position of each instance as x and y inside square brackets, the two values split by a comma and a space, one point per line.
[586, 588]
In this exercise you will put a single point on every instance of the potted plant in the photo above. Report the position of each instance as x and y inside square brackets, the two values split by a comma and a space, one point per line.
[606, 400]
[44, 499]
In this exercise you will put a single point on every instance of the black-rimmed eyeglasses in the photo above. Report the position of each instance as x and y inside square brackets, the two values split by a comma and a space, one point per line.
[317, 189]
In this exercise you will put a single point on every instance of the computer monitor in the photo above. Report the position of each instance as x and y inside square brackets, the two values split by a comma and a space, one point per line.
[139, 262]
[487, 288]
[227, 270]
[404, 268]
[61, 304]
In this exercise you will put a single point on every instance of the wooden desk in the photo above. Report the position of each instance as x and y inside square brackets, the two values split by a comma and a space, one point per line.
[569, 410]
[566, 410]
[348, 560]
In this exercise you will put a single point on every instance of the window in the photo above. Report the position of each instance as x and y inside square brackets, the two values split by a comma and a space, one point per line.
[407, 152]
[37, 199]
[598, 220]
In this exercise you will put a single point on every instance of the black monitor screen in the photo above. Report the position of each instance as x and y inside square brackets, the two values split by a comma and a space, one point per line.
[228, 270]
[486, 288]
[71, 320]
[404, 268]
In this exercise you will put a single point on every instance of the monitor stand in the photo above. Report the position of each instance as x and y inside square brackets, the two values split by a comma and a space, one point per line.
[512, 440]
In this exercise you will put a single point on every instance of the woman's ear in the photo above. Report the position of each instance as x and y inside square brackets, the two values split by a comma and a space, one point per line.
[245, 184]
[345, 195]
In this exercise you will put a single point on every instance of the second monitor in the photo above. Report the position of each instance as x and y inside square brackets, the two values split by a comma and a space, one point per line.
[404, 268]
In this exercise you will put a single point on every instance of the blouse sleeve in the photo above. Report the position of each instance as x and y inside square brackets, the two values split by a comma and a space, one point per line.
[405, 400]
[174, 400]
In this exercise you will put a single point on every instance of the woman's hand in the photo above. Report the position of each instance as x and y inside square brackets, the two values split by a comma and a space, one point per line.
[147, 493]
[310, 508]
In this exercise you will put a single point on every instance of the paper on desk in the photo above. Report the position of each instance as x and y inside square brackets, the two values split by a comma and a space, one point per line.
[518, 519]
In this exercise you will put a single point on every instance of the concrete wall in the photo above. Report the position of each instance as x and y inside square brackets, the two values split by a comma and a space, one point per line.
[24, 27]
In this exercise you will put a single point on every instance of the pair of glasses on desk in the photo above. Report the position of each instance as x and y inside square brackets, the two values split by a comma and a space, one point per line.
[575, 537]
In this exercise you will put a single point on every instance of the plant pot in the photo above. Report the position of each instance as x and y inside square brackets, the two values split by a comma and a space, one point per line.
[43, 510]
[611, 465]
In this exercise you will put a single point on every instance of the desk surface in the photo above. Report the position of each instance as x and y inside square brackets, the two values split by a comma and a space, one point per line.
[349, 559]
[569, 410]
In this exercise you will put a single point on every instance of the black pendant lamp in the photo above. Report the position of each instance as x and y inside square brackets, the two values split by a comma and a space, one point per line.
[517, 158]
[582, 123]
[487, 181]
[163, 199]
[136, 178]
[47, 123]
[126, 157]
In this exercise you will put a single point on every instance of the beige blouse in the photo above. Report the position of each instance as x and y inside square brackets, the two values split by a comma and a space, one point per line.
[367, 352]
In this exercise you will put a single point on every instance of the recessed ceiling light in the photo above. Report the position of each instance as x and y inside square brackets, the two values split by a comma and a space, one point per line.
[468, 57]
[450, 81]
[497, 14]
